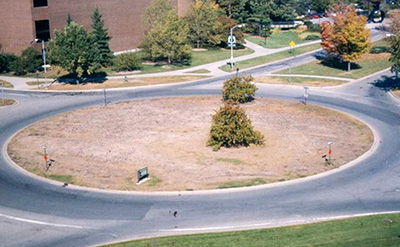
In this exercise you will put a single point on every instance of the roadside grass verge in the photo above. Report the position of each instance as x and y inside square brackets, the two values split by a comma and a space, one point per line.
[271, 58]
[199, 71]
[280, 39]
[6, 102]
[198, 58]
[367, 231]
[368, 64]
[243, 183]
[4, 84]
[128, 82]
[300, 81]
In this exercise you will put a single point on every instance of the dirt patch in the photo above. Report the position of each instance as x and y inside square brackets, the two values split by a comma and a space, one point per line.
[6, 102]
[397, 93]
[104, 146]
[128, 82]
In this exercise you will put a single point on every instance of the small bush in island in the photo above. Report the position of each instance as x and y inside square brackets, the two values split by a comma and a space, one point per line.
[239, 89]
[232, 128]
[127, 61]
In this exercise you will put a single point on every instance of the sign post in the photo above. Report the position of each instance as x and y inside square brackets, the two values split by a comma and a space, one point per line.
[329, 151]
[142, 175]
[2, 93]
[305, 95]
[292, 44]
[231, 44]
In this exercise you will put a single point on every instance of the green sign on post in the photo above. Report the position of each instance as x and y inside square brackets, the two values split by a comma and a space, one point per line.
[143, 174]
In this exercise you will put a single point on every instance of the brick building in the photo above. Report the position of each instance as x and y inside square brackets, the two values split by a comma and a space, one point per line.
[22, 21]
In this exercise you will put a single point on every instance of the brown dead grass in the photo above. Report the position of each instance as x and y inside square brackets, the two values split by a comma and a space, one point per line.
[6, 102]
[103, 147]
[129, 82]
[397, 93]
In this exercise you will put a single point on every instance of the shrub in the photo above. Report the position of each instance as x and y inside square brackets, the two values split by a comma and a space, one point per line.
[239, 89]
[5, 61]
[127, 61]
[314, 28]
[312, 37]
[232, 128]
[29, 61]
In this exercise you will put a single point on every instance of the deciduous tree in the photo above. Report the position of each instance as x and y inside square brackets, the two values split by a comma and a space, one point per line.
[156, 12]
[101, 37]
[204, 26]
[75, 50]
[348, 36]
[395, 51]
[168, 39]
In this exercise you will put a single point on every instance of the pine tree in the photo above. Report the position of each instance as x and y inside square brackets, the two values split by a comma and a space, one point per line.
[101, 38]
[69, 19]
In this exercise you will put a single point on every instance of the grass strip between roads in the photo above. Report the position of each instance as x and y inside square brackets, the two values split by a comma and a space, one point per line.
[121, 83]
[368, 231]
[300, 81]
[5, 84]
[281, 39]
[368, 64]
[271, 58]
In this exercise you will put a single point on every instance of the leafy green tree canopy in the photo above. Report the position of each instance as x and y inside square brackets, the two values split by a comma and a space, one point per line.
[168, 39]
[204, 25]
[101, 37]
[29, 61]
[156, 12]
[75, 50]
[395, 53]
[232, 128]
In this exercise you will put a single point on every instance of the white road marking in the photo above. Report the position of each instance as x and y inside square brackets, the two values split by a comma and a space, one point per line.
[40, 222]
[260, 225]
[16, 94]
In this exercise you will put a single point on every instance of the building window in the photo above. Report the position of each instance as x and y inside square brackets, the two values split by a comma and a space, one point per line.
[39, 3]
[42, 30]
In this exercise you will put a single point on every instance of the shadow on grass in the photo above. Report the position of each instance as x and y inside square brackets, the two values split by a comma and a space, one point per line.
[387, 83]
[335, 63]
[72, 78]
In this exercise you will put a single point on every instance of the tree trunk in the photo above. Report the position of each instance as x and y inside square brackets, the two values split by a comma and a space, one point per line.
[198, 44]
[169, 60]
[348, 66]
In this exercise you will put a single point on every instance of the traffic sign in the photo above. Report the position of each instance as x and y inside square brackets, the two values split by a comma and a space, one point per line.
[231, 40]
[292, 44]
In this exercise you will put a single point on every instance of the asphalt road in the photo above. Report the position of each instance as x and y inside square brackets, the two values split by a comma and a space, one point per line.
[35, 212]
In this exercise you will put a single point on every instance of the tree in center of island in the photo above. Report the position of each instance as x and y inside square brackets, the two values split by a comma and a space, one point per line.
[347, 37]
[230, 126]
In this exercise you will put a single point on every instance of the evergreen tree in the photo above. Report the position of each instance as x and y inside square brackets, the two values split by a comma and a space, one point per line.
[261, 12]
[69, 19]
[168, 39]
[235, 9]
[204, 26]
[348, 36]
[101, 37]
[75, 50]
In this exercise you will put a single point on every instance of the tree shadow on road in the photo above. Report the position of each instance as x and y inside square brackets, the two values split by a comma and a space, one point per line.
[387, 83]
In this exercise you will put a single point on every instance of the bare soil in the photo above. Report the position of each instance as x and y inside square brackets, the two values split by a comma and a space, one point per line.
[6, 102]
[103, 147]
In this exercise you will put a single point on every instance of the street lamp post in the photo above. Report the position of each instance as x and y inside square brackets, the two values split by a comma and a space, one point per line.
[44, 60]
[231, 39]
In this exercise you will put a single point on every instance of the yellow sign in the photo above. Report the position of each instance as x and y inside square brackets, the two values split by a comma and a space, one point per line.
[292, 44]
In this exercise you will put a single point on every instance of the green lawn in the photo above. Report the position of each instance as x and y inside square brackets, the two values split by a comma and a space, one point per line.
[271, 58]
[198, 58]
[300, 81]
[280, 39]
[5, 84]
[370, 231]
[366, 65]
